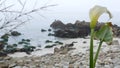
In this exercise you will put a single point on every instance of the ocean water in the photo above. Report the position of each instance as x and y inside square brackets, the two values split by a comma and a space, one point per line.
[32, 30]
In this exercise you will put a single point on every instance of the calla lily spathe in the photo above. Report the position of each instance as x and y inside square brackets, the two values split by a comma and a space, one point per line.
[96, 12]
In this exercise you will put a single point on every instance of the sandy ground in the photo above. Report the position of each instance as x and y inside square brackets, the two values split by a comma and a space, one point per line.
[82, 46]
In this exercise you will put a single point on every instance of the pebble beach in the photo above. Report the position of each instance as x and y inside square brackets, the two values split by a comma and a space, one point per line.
[75, 57]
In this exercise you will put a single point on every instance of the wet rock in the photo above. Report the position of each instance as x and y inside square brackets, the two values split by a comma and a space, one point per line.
[48, 46]
[49, 30]
[48, 41]
[70, 45]
[58, 42]
[43, 30]
[50, 34]
[4, 38]
[15, 33]
[27, 49]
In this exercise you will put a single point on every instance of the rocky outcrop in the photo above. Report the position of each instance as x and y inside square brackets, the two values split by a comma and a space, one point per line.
[78, 29]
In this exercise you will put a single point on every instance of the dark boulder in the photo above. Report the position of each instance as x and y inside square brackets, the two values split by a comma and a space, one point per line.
[49, 30]
[1, 46]
[43, 30]
[48, 41]
[50, 34]
[15, 33]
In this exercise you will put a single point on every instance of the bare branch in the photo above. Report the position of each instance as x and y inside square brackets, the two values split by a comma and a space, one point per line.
[10, 11]
[6, 8]
[48, 6]
[16, 21]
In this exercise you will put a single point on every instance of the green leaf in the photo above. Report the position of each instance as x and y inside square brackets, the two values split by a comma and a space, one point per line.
[96, 12]
[105, 33]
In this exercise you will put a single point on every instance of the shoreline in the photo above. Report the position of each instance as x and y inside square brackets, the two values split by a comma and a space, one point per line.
[76, 58]
[80, 41]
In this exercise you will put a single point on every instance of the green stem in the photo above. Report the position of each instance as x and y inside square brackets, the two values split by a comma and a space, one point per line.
[91, 49]
[97, 53]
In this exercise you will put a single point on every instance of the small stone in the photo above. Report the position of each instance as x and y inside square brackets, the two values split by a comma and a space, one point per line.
[4, 65]
[56, 50]
[15, 33]
[8, 58]
[115, 42]
[20, 62]
[84, 42]
[12, 65]
[65, 51]
[71, 65]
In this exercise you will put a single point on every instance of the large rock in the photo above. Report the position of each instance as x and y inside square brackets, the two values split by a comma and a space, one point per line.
[78, 29]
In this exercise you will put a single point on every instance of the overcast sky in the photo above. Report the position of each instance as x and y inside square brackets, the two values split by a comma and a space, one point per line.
[70, 10]
[72, 5]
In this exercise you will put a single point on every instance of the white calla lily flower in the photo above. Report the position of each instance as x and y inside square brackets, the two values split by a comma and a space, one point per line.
[96, 12]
